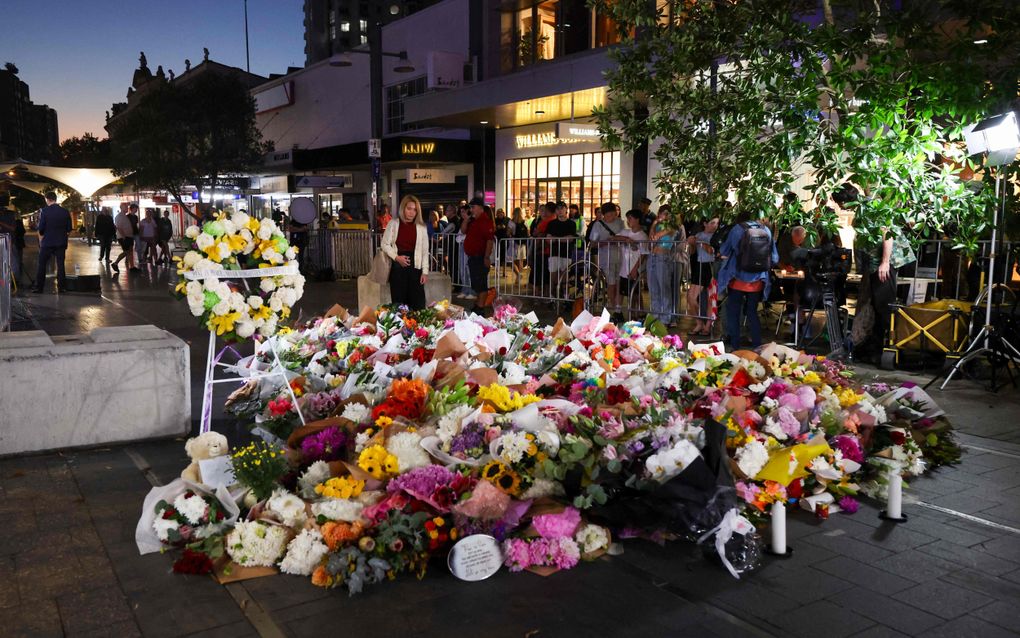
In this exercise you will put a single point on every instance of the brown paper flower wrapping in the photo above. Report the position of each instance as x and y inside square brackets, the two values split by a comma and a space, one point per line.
[449, 346]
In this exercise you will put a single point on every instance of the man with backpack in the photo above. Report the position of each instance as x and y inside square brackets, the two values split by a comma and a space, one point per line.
[749, 255]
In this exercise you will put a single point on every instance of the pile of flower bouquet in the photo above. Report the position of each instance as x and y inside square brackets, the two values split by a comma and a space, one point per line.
[421, 428]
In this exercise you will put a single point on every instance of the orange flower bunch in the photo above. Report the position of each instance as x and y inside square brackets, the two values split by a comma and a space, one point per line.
[321, 577]
[336, 534]
[406, 399]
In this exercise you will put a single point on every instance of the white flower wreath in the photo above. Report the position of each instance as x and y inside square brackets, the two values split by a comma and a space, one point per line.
[238, 242]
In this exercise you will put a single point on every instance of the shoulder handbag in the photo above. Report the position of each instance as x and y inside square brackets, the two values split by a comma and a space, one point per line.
[381, 265]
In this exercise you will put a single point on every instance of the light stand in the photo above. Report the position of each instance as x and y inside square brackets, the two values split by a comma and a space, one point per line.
[999, 137]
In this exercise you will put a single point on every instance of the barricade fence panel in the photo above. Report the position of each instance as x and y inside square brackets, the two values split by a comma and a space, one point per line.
[337, 254]
[6, 281]
[630, 278]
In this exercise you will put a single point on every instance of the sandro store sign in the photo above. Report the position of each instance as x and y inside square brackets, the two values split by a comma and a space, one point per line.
[430, 176]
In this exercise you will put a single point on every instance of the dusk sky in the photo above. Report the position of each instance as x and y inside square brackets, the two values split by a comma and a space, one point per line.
[78, 56]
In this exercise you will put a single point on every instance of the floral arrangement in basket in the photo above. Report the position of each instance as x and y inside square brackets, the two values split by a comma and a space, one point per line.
[237, 310]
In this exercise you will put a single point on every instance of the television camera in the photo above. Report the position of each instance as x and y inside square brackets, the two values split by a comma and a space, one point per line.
[826, 269]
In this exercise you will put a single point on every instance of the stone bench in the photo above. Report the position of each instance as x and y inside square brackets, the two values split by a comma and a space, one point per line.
[108, 386]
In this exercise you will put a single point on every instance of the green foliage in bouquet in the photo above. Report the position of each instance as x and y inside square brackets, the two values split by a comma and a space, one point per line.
[442, 400]
[258, 466]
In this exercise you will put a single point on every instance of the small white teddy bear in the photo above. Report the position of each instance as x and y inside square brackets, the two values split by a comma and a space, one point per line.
[207, 445]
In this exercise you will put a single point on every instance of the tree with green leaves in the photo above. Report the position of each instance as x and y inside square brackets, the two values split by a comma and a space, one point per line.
[188, 133]
[747, 96]
[86, 151]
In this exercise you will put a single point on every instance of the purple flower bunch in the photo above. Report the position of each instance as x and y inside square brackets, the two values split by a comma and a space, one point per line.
[329, 444]
[849, 504]
[422, 482]
[322, 403]
[470, 442]
[850, 447]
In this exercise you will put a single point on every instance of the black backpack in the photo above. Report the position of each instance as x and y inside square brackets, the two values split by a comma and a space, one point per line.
[755, 249]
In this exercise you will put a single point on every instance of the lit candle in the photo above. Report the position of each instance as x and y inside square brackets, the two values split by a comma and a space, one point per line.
[778, 528]
[894, 503]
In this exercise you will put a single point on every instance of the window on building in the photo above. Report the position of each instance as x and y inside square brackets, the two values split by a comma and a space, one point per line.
[395, 96]
[363, 24]
[364, 39]
[585, 179]
[345, 26]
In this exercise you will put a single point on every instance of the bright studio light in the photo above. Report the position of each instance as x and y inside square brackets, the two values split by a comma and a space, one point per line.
[998, 136]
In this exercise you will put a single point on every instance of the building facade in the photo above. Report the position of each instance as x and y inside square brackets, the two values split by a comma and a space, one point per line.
[320, 121]
[333, 26]
[28, 131]
[541, 72]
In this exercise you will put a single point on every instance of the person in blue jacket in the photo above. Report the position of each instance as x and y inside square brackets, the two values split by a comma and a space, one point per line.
[745, 289]
[54, 227]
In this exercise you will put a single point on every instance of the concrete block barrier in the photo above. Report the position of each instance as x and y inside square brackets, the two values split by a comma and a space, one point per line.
[111, 385]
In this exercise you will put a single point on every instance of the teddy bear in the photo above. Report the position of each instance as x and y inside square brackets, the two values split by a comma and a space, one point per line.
[207, 445]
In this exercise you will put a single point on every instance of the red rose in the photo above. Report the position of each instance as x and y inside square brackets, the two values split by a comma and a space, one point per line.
[898, 438]
[741, 379]
[795, 489]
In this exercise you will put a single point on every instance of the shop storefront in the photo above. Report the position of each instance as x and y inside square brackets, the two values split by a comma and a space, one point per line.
[563, 161]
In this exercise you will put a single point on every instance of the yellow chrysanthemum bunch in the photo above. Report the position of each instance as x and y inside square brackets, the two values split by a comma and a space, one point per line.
[503, 400]
[340, 487]
[377, 462]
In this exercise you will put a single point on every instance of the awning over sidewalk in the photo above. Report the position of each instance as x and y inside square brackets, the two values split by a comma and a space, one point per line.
[86, 181]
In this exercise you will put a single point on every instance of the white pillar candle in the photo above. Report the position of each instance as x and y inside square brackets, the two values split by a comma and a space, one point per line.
[778, 528]
[894, 502]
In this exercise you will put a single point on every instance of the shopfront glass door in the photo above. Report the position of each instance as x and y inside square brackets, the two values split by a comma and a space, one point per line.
[557, 190]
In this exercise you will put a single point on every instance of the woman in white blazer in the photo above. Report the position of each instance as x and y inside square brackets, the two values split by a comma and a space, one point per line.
[406, 242]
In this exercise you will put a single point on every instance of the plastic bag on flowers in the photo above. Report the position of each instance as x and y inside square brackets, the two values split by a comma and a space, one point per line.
[691, 503]
[145, 535]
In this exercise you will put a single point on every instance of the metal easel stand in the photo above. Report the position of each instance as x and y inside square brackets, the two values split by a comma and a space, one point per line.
[276, 370]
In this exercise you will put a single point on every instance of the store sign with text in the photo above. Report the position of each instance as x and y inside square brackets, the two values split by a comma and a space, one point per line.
[275, 97]
[445, 70]
[325, 181]
[577, 131]
[424, 147]
[430, 176]
[562, 133]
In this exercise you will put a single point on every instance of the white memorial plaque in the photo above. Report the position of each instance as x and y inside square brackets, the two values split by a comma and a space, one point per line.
[475, 557]
[217, 472]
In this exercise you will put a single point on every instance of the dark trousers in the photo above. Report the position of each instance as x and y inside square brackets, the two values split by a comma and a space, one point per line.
[104, 247]
[748, 301]
[406, 288]
[883, 293]
[44, 259]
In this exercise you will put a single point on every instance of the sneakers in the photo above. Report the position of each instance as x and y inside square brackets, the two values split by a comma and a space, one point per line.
[115, 267]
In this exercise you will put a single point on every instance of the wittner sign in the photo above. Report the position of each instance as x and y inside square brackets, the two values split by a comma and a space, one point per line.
[417, 148]
[430, 176]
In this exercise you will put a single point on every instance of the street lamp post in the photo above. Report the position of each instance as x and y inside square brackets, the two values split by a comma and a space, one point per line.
[375, 73]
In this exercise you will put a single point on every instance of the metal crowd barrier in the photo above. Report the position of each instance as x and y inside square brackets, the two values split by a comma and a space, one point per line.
[957, 276]
[6, 281]
[337, 254]
[557, 271]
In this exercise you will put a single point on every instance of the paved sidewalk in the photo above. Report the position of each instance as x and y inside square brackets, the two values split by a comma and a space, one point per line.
[69, 566]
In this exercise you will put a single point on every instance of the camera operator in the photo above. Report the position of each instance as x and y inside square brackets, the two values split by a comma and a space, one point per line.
[825, 269]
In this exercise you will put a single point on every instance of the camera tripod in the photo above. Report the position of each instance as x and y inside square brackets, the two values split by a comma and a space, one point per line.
[833, 321]
[990, 344]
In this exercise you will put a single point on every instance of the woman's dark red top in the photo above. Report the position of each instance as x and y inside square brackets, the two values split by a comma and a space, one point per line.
[407, 237]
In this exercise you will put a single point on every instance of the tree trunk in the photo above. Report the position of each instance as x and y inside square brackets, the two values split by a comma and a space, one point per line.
[827, 10]
[176, 193]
